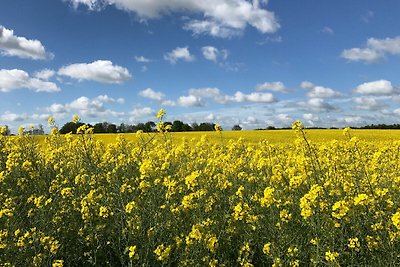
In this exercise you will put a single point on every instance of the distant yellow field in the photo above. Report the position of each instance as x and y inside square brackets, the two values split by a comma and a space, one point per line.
[272, 136]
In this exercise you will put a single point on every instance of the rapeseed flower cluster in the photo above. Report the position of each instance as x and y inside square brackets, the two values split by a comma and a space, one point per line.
[74, 201]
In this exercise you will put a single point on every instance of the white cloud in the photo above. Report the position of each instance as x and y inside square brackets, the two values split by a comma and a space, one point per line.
[213, 54]
[375, 50]
[221, 18]
[379, 87]
[87, 107]
[19, 79]
[210, 117]
[107, 99]
[318, 104]
[151, 94]
[328, 30]
[310, 117]
[40, 117]
[12, 45]
[141, 112]
[142, 59]
[168, 103]
[56, 109]
[102, 71]
[352, 121]
[44, 74]
[12, 117]
[255, 97]
[210, 92]
[179, 53]
[190, 101]
[273, 86]
[318, 91]
[368, 103]
[397, 111]
[362, 54]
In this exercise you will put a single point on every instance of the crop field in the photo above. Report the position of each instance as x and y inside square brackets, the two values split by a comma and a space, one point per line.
[270, 198]
[255, 136]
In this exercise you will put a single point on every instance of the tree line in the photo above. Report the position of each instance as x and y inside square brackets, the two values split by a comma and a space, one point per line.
[148, 127]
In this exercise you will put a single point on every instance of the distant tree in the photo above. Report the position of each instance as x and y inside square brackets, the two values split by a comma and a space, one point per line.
[177, 126]
[206, 126]
[111, 128]
[140, 126]
[195, 126]
[271, 128]
[149, 126]
[70, 127]
[236, 127]
[99, 128]
[122, 128]
[186, 127]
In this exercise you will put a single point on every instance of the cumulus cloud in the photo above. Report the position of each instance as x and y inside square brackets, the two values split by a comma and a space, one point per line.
[310, 117]
[221, 18]
[368, 103]
[56, 109]
[87, 107]
[13, 117]
[315, 91]
[190, 101]
[255, 97]
[379, 87]
[107, 99]
[317, 104]
[273, 86]
[19, 79]
[217, 96]
[374, 51]
[12, 45]
[102, 71]
[168, 103]
[142, 59]
[210, 92]
[44, 74]
[151, 94]
[214, 54]
[141, 112]
[179, 53]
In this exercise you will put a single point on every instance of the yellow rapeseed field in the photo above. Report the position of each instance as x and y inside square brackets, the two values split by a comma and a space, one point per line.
[292, 199]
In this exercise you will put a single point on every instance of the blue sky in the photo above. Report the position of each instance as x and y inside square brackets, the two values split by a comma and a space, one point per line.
[253, 63]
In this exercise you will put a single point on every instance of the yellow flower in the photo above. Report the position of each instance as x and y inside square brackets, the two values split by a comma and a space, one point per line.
[133, 253]
[162, 252]
[21, 131]
[160, 114]
[58, 263]
[361, 199]
[51, 121]
[212, 243]
[396, 220]
[130, 206]
[217, 128]
[75, 119]
[267, 248]
[339, 209]
[105, 212]
[354, 243]
[331, 256]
